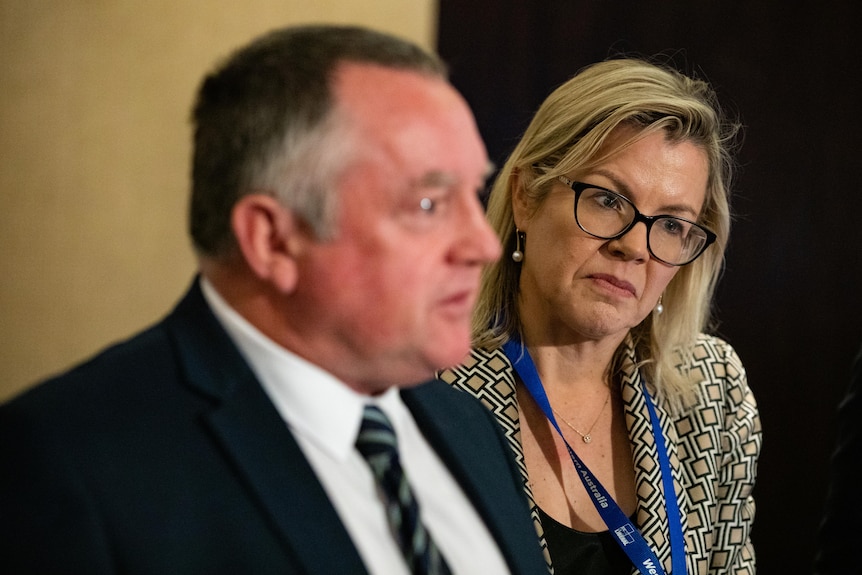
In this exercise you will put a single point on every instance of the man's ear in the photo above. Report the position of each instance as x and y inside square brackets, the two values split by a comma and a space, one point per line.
[266, 234]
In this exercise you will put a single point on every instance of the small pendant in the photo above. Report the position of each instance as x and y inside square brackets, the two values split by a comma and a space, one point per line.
[587, 438]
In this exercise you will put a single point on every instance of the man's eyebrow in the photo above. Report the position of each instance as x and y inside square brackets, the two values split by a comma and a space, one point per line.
[436, 179]
[440, 179]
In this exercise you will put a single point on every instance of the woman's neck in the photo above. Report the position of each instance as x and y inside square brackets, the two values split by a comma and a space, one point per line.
[574, 362]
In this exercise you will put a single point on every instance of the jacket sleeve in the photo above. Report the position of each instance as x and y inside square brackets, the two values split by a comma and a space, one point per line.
[836, 545]
[741, 440]
[49, 524]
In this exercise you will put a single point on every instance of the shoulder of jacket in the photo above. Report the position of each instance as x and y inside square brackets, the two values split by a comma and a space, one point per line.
[716, 349]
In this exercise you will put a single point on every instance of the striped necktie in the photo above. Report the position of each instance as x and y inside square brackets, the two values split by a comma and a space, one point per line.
[378, 444]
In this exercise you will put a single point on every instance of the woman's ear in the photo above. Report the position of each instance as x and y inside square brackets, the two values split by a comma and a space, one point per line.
[266, 234]
[520, 201]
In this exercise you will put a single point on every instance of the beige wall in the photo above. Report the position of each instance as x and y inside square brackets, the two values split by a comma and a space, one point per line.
[94, 148]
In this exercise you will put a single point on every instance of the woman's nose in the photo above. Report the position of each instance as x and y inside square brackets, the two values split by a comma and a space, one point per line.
[632, 245]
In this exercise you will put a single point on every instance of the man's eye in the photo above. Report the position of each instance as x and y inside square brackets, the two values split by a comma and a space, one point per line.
[427, 205]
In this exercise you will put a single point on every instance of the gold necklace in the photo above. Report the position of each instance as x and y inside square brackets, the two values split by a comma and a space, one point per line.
[585, 436]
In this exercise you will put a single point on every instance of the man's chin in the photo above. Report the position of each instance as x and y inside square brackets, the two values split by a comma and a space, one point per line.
[455, 354]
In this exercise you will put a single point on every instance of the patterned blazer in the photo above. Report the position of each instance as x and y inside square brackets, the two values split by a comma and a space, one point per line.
[714, 447]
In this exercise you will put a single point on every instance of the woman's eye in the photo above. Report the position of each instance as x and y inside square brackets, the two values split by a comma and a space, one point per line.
[609, 201]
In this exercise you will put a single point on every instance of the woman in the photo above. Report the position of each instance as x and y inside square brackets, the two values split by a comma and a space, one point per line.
[637, 433]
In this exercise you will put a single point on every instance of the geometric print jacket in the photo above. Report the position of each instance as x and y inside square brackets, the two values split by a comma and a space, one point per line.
[713, 449]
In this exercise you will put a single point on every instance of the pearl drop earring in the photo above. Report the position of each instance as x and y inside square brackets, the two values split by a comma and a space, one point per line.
[659, 308]
[518, 255]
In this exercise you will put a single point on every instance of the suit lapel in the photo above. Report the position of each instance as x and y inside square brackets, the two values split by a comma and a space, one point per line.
[258, 444]
[276, 471]
[655, 527]
[459, 432]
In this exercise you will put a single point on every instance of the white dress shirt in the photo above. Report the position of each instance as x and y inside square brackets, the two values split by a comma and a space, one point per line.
[324, 415]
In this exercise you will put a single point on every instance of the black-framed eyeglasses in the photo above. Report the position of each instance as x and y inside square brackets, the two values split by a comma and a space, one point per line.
[607, 215]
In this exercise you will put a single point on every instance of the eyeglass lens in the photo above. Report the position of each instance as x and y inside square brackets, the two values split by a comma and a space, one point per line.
[607, 215]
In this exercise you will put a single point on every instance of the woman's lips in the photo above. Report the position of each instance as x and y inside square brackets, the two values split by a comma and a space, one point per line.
[615, 282]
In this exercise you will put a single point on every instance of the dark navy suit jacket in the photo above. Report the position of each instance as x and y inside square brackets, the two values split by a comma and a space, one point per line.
[163, 454]
[838, 537]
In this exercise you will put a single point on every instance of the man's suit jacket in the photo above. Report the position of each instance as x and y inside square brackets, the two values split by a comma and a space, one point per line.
[163, 454]
[839, 528]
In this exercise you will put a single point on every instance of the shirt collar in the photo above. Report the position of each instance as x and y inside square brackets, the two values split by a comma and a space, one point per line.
[313, 403]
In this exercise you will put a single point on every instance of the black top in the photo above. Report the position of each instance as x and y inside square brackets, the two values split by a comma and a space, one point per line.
[577, 552]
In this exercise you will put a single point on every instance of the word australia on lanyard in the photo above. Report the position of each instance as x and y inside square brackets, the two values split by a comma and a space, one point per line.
[626, 534]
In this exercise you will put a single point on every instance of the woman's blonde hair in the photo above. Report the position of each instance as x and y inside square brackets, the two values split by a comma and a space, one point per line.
[567, 136]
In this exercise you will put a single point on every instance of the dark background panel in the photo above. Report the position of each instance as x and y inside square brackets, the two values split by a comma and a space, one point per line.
[789, 298]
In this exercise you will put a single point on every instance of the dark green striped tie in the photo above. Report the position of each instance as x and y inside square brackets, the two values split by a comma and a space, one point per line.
[378, 444]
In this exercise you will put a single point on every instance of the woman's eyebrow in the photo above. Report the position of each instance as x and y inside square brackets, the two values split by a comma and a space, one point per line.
[671, 209]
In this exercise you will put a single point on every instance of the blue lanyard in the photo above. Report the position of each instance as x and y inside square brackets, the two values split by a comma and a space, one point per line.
[626, 534]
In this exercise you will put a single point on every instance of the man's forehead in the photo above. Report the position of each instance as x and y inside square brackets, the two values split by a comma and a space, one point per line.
[352, 75]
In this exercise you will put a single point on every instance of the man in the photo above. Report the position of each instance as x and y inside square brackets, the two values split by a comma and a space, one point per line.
[340, 239]
[839, 525]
